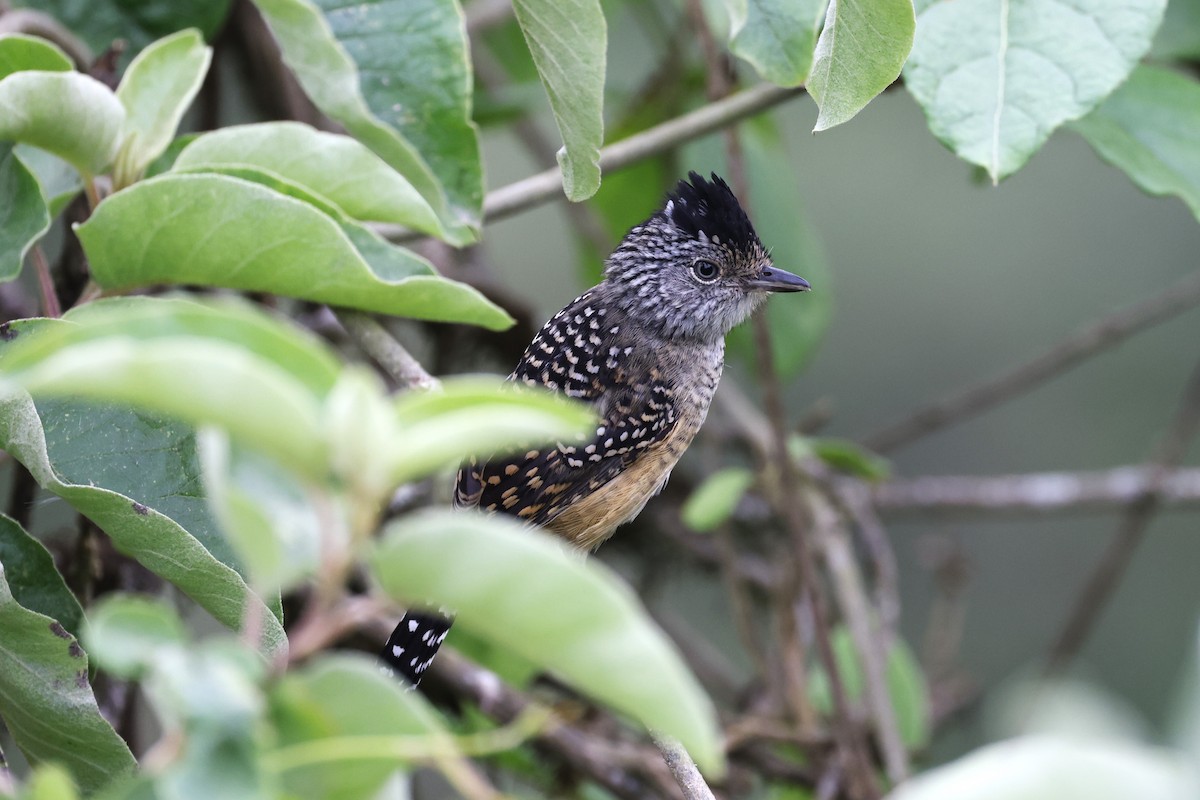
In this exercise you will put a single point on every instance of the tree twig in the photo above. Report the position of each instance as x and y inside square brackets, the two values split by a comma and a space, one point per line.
[683, 768]
[1112, 565]
[376, 342]
[1079, 346]
[1032, 493]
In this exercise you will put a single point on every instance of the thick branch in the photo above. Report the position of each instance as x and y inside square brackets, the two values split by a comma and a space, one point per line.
[1081, 345]
[1033, 493]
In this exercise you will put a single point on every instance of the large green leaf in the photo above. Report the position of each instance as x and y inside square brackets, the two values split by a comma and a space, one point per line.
[33, 579]
[102, 22]
[1147, 128]
[996, 77]
[157, 88]
[335, 167]
[861, 50]
[19, 52]
[73, 116]
[345, 696]
[231, 232]
[575, 619]
[24, 217]
[397, 77]
[567, 39]
[776, 36]
[46, 701]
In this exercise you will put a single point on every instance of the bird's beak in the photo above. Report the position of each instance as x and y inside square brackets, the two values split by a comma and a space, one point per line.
[773, 279]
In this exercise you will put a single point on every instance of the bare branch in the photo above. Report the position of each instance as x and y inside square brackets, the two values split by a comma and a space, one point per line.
[381, 346]
[1033, 493]
[1079, 346]
[683, 768]
[1108, 572]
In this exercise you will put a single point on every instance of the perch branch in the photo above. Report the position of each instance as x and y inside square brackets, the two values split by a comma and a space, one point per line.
[376, 342]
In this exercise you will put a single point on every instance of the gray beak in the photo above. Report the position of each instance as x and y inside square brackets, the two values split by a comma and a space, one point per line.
[773, 279]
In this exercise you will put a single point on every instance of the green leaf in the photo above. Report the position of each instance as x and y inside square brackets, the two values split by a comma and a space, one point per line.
[73, 116]
[264, 511]
[996, 77]
[59, 180]
[50, 782]
[714, 501]
[399, 82]
[1178, 37]
[474, 416]
[157, 88]
[1057, 768]
[337, 168]
[24, 217]
[101, 22]
[1147, 128]
[905, 684]
[226, 231]
[567, 39]
[46, 701]
[125, 634]
[20, 52]
[33, 579]
[776, 37]
[847, 456]
[345, 696]
[860, 52]
[577, 619]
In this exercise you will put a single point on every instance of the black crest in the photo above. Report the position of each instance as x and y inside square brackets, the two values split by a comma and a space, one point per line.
[711, 207]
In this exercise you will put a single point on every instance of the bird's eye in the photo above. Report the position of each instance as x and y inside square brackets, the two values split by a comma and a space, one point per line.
[705, 271]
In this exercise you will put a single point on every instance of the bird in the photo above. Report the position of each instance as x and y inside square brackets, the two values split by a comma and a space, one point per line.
[645, 349]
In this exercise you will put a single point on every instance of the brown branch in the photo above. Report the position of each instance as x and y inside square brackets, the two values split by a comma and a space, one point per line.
[1033, 493]
[374, 340]
[683, 768]
[1074, 349]
[1112, 565]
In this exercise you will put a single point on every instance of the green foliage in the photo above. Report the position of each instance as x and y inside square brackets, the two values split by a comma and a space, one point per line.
[996, 78]
[568, 39]
[776, 36]
[32, 578]
[24, 217]
[714, 501]
[73, 116]
[19, 52]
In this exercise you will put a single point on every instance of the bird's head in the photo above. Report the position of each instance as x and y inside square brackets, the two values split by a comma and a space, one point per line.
[696, 268]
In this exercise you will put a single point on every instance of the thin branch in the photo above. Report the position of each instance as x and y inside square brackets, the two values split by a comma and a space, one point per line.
[683, 768]
[1132, 529]
[1033, 493]
[544, 186]
[1074, 349]
[50, 304]
[44, 26]
[376, 342]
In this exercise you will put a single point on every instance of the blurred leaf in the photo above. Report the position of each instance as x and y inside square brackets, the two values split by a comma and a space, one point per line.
[24, 217]
[336, 167]
[714, 501]
[567, 39]
[50, 782]
[264, 512]
[577, 619]
[46, 701]
[996, 79]
[345, 696]
[73, 116]
[1147, 129]
[776, 36]
[19, 52]
[905, 684]
[1062, 707]
[157, 89]
[226, 231]
[166, 161]
[847, 456]
[1178, 37]
[1053, 768]
[400, 84]
[125, 633]
[33, 579]
[860, 52]
[476, 416]
[59, 180]
[101, 22]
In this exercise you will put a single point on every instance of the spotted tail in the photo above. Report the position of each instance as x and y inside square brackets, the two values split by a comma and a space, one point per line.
[412, 646]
